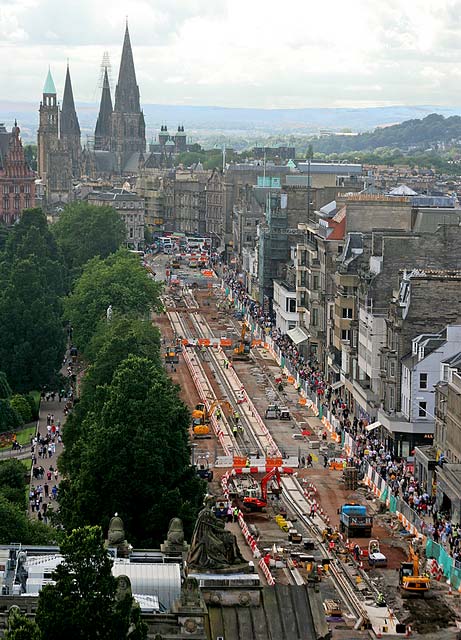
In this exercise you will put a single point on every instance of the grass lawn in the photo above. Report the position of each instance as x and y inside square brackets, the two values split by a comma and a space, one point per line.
[23, 436]
[27, 463]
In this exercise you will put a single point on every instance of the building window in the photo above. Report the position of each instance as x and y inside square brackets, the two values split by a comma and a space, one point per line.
[423, 380]
[445, 371]
[391, 398]
[315, 283]
[16, 203]
[292, 305]
[347, 313]
[345, 334]
[6, 203]
[27, 202]
[422, 412]
[6, 189]
[315, 318]
[392, 368]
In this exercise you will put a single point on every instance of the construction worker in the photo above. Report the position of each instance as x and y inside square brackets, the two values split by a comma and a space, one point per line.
[218, 414]
[380, 600]
[236, 417]
[234, 430]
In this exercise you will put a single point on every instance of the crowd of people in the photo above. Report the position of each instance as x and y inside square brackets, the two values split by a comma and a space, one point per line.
[397, 473]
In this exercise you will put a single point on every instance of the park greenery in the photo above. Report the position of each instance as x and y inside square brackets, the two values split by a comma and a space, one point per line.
[84, 231]
[33, 283]
[14, 522]
[118, 280]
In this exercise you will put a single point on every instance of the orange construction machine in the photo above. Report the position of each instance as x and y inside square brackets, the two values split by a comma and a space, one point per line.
[259, 500]
[410, 579]
[201, 417]
[242, 348]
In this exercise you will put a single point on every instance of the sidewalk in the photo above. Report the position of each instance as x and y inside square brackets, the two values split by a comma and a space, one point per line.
[43, 485]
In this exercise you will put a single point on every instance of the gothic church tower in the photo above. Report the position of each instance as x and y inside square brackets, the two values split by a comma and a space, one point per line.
[128, 130]
[69, 129]
[48, 129]
[102, 133]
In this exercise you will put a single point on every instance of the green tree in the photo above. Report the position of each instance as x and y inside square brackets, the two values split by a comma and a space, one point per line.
[33, 281]
[82, 602]
[21, 405]
[120, 281]
[84, 231]
[9, 417]
[127, 444]
[5, 389]
[16, 526]
[20, 627]
[13, 481]
[30, 153]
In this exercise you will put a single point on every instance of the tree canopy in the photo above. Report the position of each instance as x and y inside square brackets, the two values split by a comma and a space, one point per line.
[33, 280]
[118, 280]
[82, 603]
[127, 444]
[84, 231]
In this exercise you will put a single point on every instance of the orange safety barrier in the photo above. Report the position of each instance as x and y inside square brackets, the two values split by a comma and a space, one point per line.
[290, 379]
[274, 462]
[225, 342]
[204, 342]
[302, 401]
[239, 461]
[184, 342]
[256, 343]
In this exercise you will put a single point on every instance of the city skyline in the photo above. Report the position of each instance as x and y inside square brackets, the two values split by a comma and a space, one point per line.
[241, 55]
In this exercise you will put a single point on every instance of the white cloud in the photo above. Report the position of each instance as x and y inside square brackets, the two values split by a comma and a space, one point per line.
[240, 52]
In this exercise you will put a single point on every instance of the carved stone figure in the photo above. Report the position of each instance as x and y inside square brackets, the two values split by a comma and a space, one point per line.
[175, 542]
[116, 537]
[123, 588]
[212, 546]
[190, 593]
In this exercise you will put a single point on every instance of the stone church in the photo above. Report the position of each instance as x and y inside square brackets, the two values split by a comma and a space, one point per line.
[120, 134]
[58, 142]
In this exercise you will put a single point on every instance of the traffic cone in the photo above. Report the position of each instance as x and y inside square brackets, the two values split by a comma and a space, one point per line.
[408, 632]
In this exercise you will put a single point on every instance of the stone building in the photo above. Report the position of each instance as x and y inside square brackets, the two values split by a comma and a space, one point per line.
[120, 133]
[215, 207]
[17, 180]
[58, 142]
[131, 208]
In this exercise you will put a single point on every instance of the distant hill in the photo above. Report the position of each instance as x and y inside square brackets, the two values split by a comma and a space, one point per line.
[411, 134]
[248, 124]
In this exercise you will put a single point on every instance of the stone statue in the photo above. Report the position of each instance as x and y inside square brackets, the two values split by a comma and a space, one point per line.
[212, 546]
[122, 592]
[116, 537]
[109, 313]
[190, 593]
[175, 542]
[123, 588]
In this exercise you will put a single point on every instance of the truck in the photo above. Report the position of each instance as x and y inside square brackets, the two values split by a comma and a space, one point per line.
[354, 521]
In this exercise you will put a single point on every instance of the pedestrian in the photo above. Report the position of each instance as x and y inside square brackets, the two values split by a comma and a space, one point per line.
[47, 489]
[303, 462]
[236, 514]
[309, 460]
[325, 461]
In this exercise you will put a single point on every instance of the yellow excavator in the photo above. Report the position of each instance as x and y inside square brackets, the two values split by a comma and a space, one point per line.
[411, 581]
[201, 417]
[242, 348]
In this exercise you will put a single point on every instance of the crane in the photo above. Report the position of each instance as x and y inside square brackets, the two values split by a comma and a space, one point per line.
[256, 503]
[201, 416]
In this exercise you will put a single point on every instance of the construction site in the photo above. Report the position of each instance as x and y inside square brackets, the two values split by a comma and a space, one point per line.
[280, 476]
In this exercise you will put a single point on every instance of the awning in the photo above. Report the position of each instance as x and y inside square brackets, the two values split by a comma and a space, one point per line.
[298, 335]
[337, 385]
[373, 425]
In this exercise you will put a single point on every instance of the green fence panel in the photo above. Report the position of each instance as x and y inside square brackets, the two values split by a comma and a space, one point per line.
[392, 504]
[383, 497]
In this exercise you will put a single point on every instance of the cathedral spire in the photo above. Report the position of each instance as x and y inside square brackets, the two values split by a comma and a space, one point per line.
[69, 121]
[127, 90]
[103, 125]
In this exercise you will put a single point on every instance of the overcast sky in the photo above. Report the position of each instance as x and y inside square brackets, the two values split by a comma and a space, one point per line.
[240, 53]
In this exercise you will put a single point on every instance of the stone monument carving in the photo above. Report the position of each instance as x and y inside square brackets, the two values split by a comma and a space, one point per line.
[213, 547]
[175, 542]
[116, 537]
